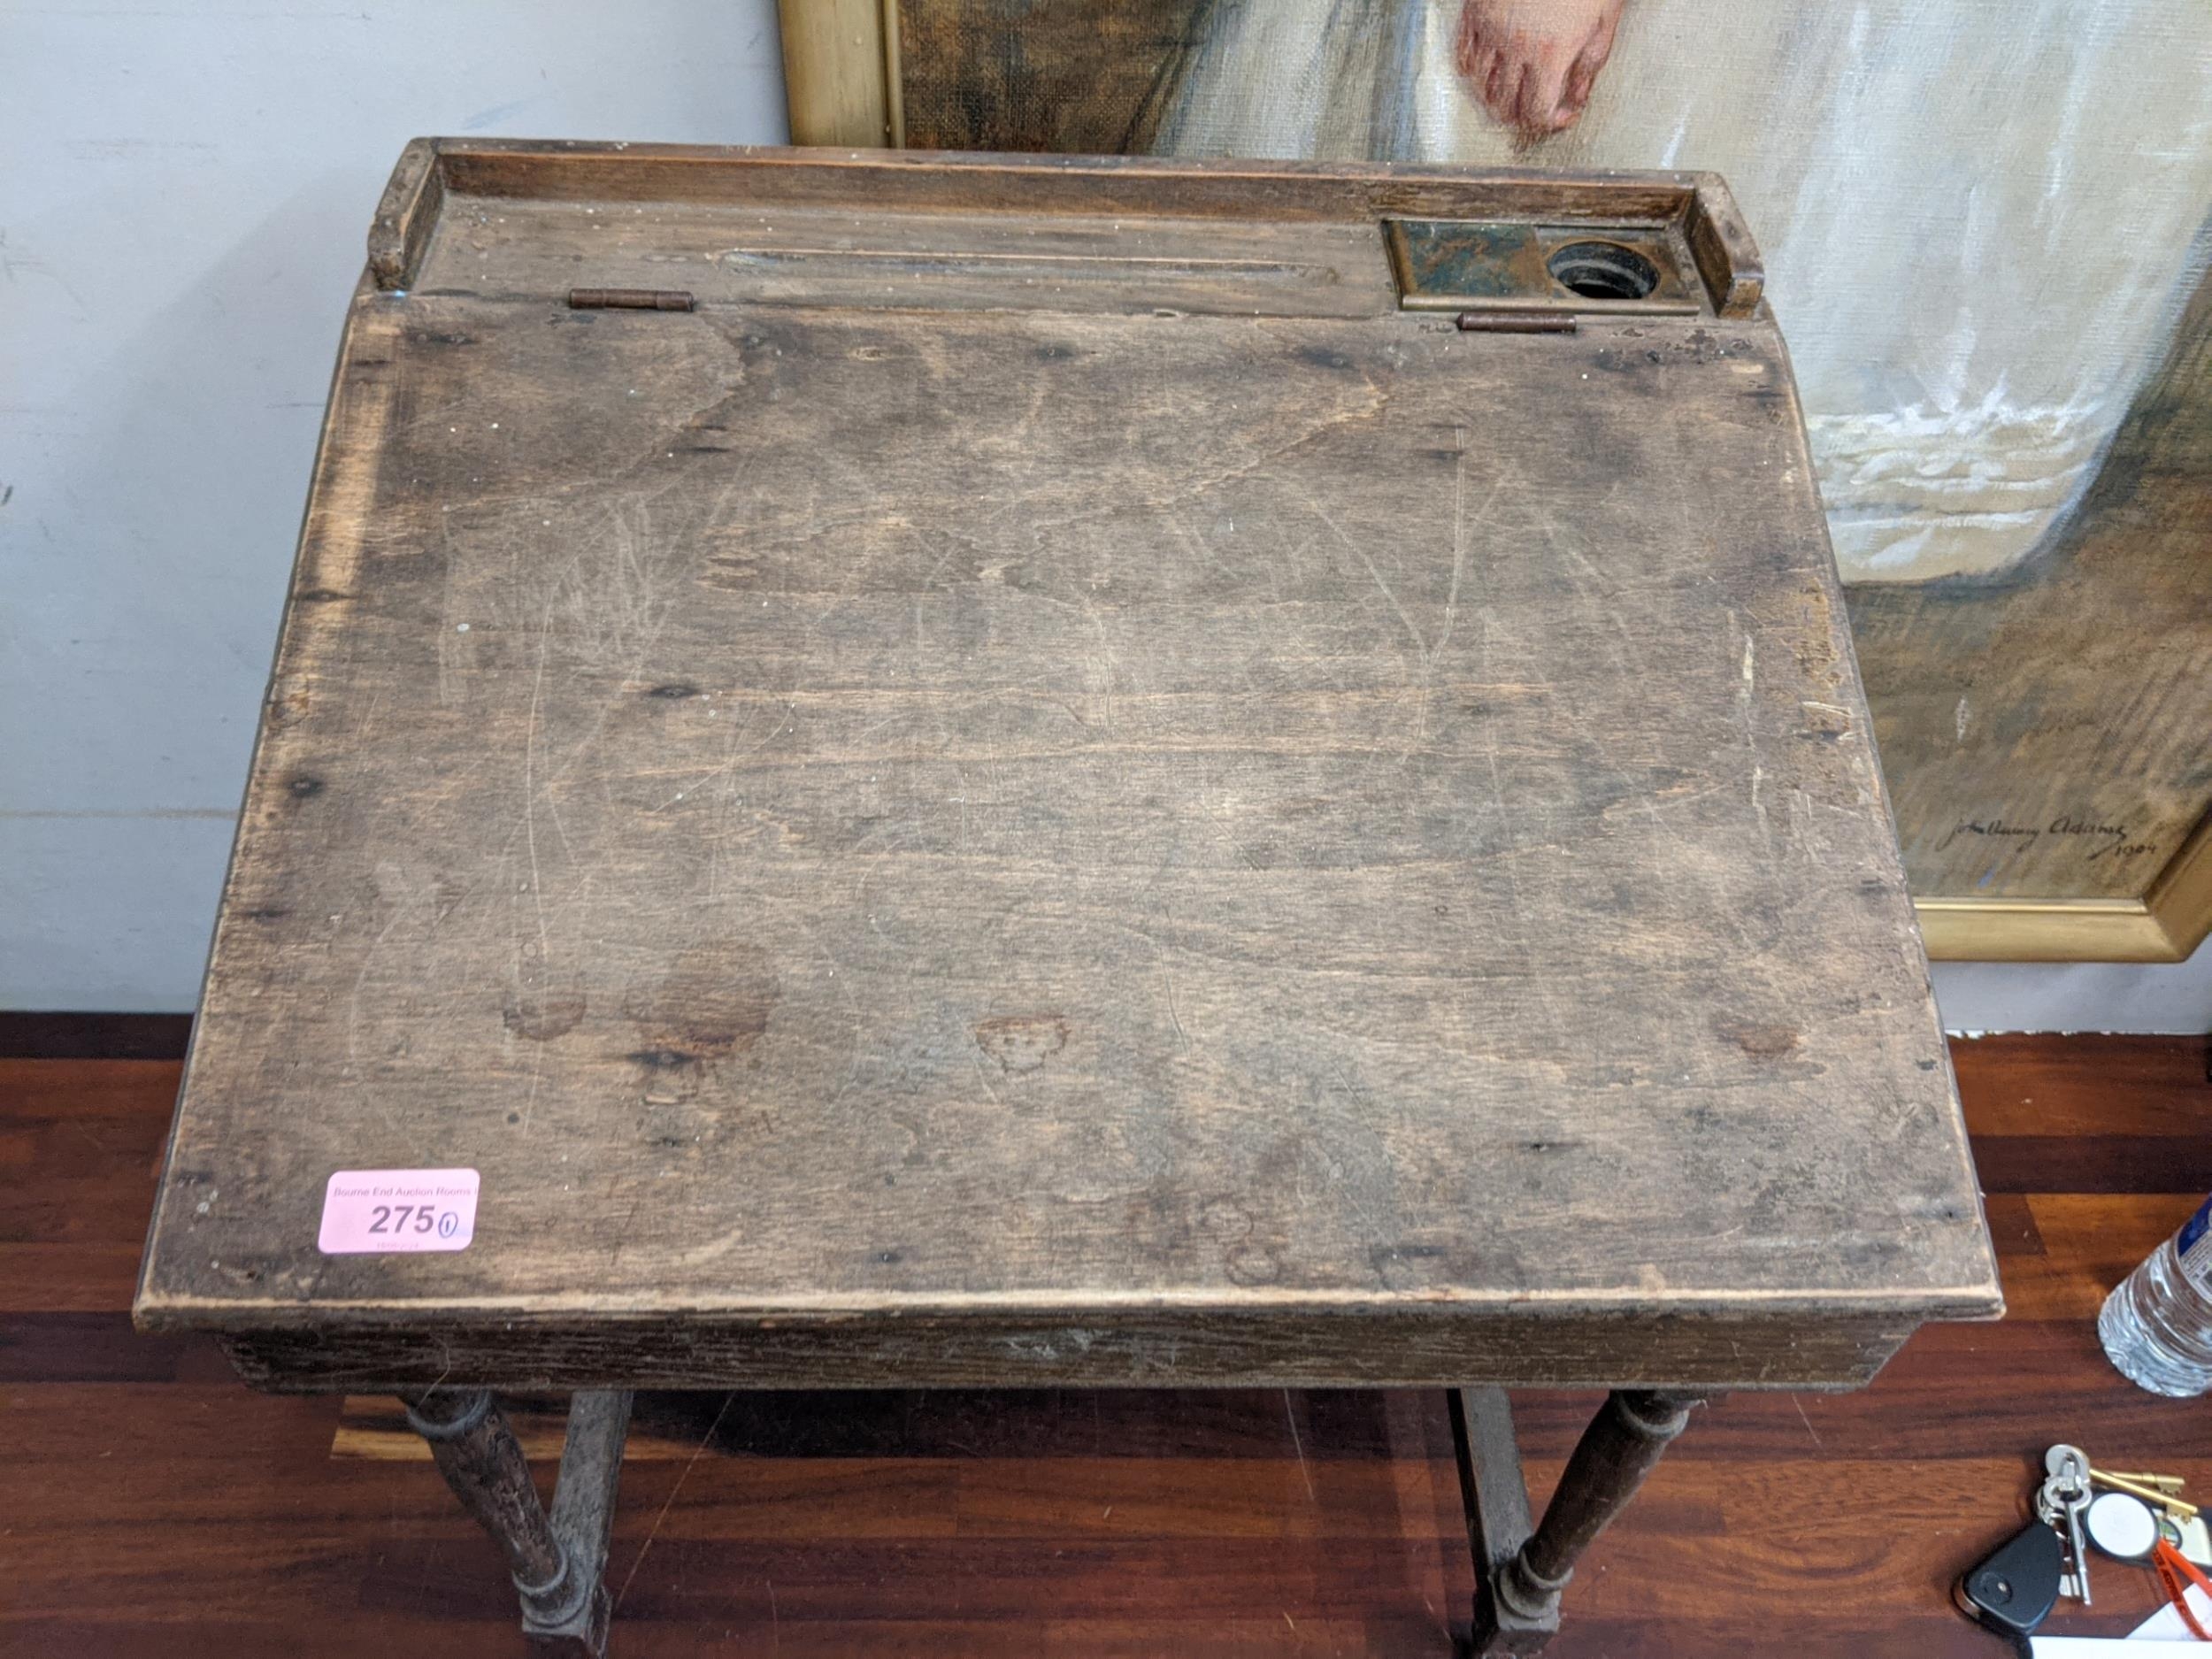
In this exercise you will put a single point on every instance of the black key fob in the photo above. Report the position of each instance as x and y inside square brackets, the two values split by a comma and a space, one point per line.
[2014, 1590]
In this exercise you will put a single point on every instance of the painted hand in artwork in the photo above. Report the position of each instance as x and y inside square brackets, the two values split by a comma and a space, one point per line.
[1532, 62]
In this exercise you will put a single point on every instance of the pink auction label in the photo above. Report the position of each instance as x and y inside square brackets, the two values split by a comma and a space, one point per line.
[384, 1211]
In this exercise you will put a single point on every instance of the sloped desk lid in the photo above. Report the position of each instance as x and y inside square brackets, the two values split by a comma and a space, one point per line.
[1048, 759]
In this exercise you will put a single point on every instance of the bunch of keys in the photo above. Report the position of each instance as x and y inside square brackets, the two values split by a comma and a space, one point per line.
[2060, 1504]
[2140, 1518]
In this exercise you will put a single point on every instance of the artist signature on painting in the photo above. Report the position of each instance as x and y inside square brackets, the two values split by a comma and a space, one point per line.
[2112, 840]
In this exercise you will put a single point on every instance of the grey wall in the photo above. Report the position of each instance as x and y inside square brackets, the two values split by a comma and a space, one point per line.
[184, 190]
[183, 193]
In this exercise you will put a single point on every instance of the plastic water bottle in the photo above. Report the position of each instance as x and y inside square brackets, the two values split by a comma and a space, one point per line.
[2157, 1325]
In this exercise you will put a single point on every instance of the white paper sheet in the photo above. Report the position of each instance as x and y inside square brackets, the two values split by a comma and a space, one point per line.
[2160, 1636]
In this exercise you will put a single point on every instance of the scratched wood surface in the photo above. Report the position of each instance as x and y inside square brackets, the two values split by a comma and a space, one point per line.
[175, 1514]
[1010, 838]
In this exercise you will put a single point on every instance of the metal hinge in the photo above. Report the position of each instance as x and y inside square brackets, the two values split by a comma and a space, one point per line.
[631, 300]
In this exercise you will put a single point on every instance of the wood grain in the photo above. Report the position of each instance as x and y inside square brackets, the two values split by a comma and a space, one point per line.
[850, 258]
[179, 1514]
[1726, 256]
[839, 73]
[1045, 845]
[406, 215]
[685, 175]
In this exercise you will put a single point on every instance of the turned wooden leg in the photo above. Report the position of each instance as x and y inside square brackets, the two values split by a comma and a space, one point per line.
[1519, 1576]
[556, 1561]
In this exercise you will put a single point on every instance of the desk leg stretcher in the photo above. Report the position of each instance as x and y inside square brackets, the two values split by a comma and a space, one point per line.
[557, 1561]
[1519, 1572]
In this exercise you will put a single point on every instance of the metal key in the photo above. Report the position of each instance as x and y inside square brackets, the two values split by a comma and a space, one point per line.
[2060, 1502]
[2052, 1513]
[2070, 1465]
[2170, 1485]
[2163, 1490]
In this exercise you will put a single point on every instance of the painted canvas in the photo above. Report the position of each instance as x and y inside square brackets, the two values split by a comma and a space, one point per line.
[1986, 226]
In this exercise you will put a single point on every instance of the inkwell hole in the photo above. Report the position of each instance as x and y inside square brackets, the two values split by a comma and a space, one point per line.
[1603, 271]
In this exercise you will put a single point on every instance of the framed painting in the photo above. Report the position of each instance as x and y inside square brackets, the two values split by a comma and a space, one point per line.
[1992, 273]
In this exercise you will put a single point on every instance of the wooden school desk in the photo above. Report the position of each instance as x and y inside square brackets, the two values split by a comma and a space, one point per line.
[893, 770]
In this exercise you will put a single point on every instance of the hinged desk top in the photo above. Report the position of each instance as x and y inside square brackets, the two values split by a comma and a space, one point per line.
[1051, 785]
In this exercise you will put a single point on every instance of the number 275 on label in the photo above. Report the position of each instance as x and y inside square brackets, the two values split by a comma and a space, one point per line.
[381, 1211]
